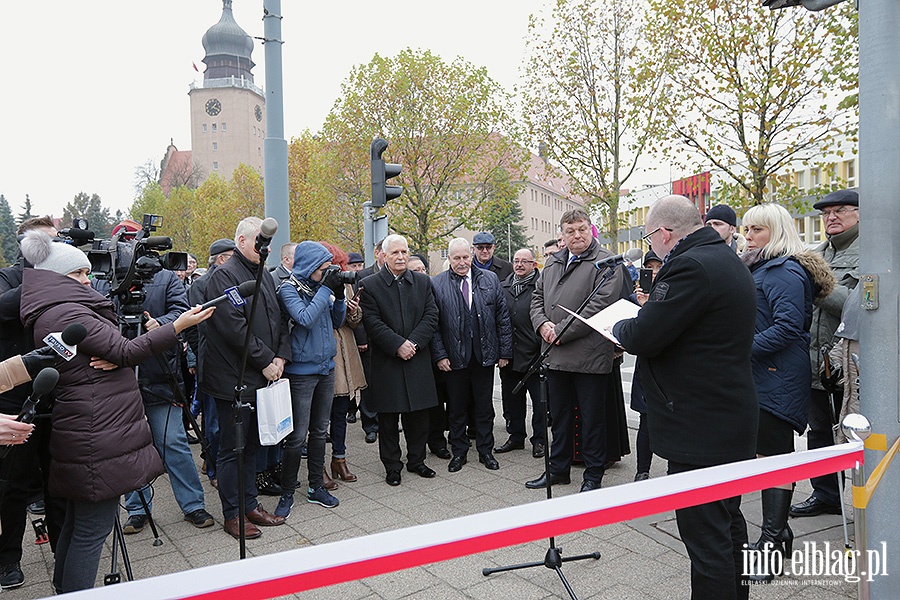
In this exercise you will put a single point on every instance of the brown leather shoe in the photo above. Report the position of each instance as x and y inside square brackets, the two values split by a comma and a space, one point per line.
[339, 470]
[329, 483]
[259, 516]
[232, 528]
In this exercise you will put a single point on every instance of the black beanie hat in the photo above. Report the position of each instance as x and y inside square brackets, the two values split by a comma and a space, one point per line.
[722, 212]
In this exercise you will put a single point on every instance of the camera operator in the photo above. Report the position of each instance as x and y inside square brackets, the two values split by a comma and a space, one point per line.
[101, 445]
[25, 468]
[164, 300]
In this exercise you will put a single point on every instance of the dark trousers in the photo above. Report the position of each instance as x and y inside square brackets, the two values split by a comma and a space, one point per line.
[338, 430]
[644, 454]
[227, 463]
[437, 415]
[714, 535]
[472, 387]
[415, 430]
[514, 406]
[820, 435]
[81, 541]
[589, 391]
[21, 472]
[367, 418]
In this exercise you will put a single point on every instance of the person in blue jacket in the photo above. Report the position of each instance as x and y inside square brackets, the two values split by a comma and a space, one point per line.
[787, 278]
[313, 298]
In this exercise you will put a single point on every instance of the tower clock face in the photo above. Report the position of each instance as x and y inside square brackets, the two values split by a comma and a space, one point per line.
[213, 107]
[258, 112]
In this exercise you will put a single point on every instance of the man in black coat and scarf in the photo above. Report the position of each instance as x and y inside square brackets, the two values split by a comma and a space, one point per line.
[519, 287]
[269, 349]
[400, 318]
[698, 383]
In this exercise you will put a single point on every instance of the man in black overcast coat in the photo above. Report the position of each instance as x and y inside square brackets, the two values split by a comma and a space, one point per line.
[400, 318]
[694, 336]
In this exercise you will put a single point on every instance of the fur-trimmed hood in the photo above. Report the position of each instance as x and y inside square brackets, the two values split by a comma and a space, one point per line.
[819, 270]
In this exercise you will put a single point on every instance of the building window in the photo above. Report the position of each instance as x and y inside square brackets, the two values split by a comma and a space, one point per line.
[215, 166]
[215, 146]
[817, 230]
[801, 181]
[213, 126]
[204, 128]
[851, 173]
[814, 177]
[224, 126]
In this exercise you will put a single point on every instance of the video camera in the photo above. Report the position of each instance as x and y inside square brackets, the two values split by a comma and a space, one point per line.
[130, 259]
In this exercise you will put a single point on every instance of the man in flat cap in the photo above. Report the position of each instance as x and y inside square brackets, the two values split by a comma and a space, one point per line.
[483, 247]
[840, 213]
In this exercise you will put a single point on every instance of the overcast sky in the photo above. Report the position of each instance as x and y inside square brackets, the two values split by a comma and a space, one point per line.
[93, 89]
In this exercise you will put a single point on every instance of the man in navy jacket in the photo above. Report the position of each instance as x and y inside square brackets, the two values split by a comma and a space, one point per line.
[473, 335]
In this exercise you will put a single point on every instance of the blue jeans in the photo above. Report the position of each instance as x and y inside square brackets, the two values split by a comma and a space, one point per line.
[311, 398]
[171, 442]
[210, 428]
[227, 462]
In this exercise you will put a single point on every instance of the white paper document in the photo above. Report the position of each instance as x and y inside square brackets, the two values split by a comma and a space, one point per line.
[604, 320]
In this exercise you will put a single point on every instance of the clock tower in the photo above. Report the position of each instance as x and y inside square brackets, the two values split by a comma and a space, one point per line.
[228, 111]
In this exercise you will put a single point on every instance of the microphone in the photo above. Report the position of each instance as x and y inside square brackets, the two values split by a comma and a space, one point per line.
[631, 255]
[234, 294]
[267, 230]
[43, 384]
[65, 343]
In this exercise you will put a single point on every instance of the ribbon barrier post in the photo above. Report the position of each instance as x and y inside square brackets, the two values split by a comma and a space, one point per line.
[856, 427]
[352, 559]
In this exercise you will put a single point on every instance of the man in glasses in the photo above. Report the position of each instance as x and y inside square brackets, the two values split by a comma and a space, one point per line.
[581, 360]
[483, 247]
[519, 288]
[840, 212]
[698, 384]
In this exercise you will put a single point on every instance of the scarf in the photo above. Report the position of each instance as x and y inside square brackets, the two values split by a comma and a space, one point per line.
[519, 283]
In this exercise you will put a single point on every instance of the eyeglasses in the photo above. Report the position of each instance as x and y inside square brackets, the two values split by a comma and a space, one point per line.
[646, 237]
[840, 212]
[483, 246]
[519, 261]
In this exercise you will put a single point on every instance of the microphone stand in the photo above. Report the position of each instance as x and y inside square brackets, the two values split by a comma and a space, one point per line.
[239, 441]
[553, 559]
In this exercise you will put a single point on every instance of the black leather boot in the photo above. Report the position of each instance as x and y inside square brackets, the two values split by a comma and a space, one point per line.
[776, 534]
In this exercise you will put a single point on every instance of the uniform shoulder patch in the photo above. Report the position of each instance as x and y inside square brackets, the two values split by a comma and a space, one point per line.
[659, 292]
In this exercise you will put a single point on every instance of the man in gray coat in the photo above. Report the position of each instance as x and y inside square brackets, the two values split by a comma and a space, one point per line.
[840, 212]
[582, 359]
[400, 318]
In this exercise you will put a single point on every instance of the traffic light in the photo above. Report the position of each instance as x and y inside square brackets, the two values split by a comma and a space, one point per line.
[381, 172]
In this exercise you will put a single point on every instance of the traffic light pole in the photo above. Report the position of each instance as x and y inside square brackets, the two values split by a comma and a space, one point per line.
[879, 257]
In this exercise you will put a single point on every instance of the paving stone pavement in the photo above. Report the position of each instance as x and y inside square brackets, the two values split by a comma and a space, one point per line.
[641, 559]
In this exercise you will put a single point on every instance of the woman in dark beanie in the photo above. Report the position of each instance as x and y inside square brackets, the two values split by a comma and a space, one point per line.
[101, 445]
[787, 278]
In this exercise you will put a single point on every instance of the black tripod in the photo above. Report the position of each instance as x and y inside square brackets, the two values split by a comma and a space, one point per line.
[553, 559]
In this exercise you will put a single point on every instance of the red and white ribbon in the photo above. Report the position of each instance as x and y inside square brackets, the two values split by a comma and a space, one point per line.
[328, 564]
